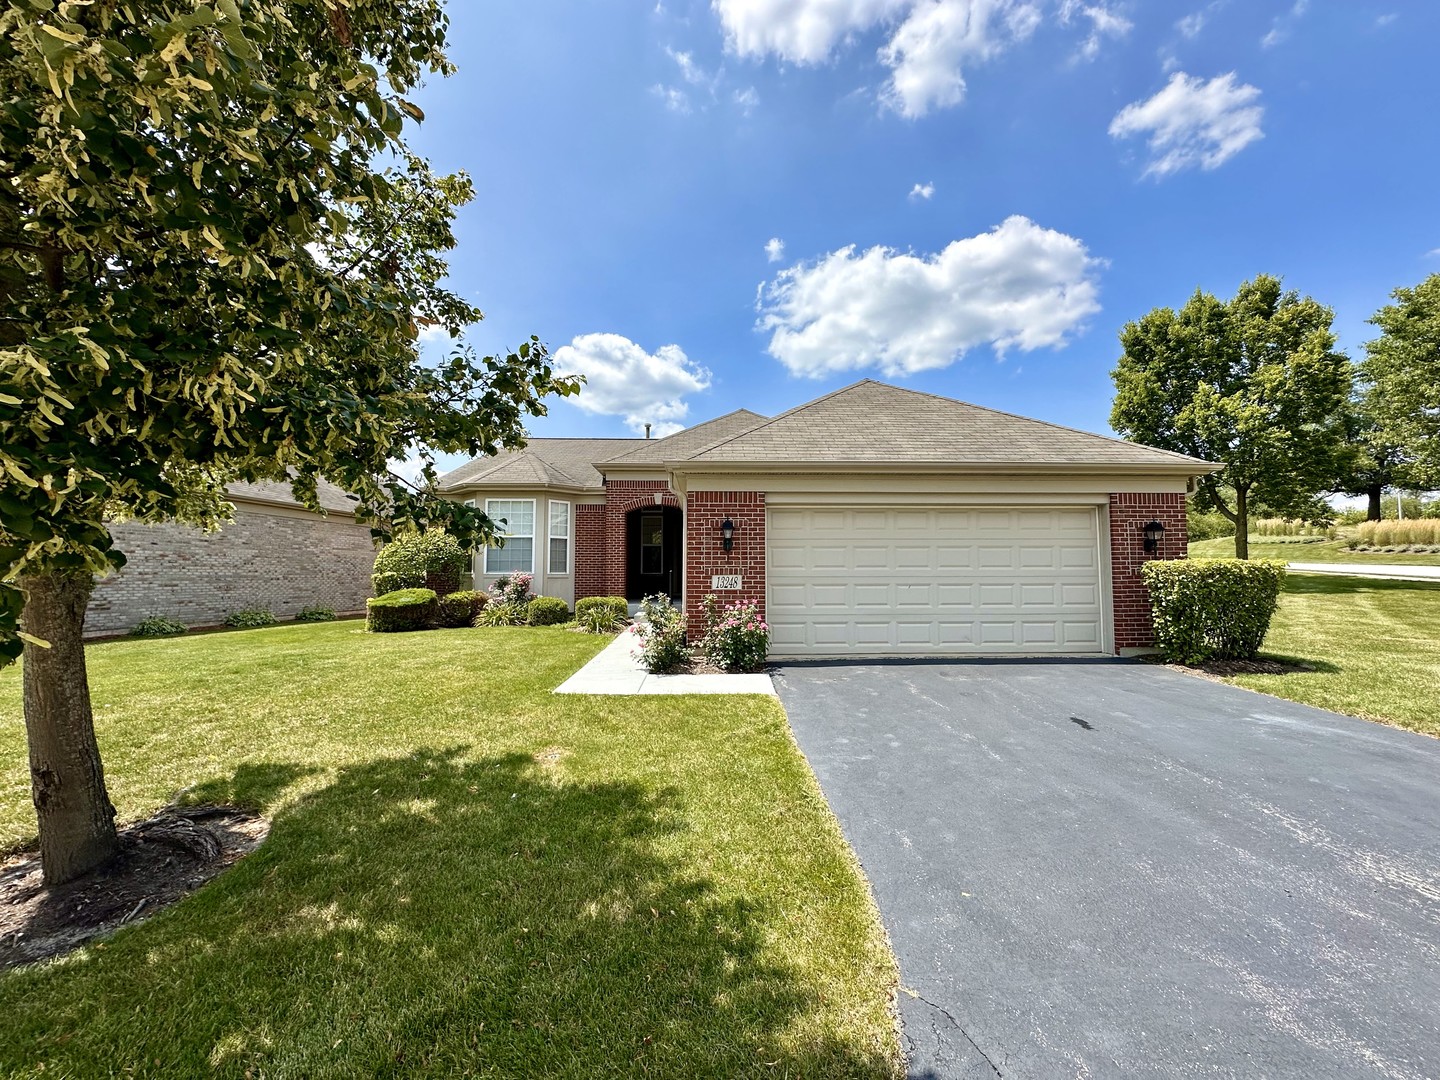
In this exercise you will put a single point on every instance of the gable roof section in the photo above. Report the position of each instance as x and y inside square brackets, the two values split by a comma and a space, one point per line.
[567, 463]
[685, 442]
[335, 500]
[871, 422]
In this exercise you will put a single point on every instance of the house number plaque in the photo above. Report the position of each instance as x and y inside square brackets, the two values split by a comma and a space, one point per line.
[725, 581]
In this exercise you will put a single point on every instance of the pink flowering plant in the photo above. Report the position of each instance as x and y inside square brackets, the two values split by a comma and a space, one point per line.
[736, 637]
[661, 629]
[512, 589]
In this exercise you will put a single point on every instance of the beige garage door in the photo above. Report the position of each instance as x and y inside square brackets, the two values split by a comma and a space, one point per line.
[910, 581]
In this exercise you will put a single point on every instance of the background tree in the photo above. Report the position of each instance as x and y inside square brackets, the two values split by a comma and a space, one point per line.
[1402, 366]
[215, 250]
[1254, 383]
[1374, 461]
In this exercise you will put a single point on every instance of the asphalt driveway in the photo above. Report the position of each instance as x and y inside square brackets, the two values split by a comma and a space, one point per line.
[1112, 869]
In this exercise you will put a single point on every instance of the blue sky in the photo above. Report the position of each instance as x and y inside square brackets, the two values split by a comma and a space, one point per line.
[973, 196]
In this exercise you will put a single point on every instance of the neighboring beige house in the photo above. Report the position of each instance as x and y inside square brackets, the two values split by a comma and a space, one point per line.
[276, 554]
[873, 521]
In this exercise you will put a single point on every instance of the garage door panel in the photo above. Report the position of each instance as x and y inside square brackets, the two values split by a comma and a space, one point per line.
[908, 581]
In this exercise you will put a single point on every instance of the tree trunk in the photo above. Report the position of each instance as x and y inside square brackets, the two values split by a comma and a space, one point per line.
[1242, 524]
[1374, 512]
[77, 821]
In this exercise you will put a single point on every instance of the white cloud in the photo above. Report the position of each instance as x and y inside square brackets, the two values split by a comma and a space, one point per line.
[938, 39]
[1387, 18]
[622, 379]
[1104, 22]
[1191, 25]
[922, 191]
[801, 31]
[1018, 286]
[675, 99]
[1193, 122]
[1434, 253]
[689, 70]
[1282, 25]
[774, 249]
[747, 99]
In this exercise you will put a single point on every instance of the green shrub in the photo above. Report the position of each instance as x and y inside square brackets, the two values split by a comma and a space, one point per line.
[496, 613]
[662, 635]
[736, 638]
[404, 609]
[1208, 526]
[158, 626]
[460, 608]
[315, 614]
[547, 611]
[1212, 609]
[433, 560]
[601, 614]
[250, 619]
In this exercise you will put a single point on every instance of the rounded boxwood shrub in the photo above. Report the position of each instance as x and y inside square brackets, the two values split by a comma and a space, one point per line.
[403, 609]
[460, 608]
[1212, 609]
[432, 560]
[158, 626]
[547, 611]
[250, 619]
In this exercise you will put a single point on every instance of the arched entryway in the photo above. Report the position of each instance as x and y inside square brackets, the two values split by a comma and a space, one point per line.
[653, 538]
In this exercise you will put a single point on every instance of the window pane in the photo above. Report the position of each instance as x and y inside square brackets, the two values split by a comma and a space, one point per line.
[515, 555]
[518, 514]
[559, 519]
[650, 560]
[559, 555]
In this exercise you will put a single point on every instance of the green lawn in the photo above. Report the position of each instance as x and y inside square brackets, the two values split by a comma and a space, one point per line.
[1294, 550]
[466, 876]
[1375, 645]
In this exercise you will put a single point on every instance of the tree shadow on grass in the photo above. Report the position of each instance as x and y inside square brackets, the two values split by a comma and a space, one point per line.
[436, 916]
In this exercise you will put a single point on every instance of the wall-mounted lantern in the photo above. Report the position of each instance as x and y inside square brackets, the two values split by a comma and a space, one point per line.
[1153, 531]
[727, 533]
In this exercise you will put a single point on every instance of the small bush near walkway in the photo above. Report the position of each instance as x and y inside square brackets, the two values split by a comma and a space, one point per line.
[662, 635]
[547, 611]
[1212, 609]
[403, 609]
[601, 614]
[736, 638]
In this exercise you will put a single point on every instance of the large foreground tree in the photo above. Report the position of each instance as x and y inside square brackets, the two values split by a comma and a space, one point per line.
[1254, 383]
[1402, 368]
[215, 253]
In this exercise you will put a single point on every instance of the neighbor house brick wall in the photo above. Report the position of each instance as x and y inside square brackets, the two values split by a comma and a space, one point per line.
[1129, 513]
[705, 553]
[622, 496]
[590, 550]
[272, 559]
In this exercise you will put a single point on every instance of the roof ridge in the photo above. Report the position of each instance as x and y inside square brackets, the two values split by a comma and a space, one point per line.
[783, 415]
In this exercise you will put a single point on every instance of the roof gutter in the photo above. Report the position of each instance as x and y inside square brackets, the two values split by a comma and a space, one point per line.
[1182, 467]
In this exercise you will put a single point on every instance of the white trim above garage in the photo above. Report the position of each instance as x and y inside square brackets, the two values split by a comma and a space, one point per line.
[936, 578]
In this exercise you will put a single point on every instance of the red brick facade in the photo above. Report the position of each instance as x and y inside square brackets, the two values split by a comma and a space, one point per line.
[1129, 512]
[622, 496]
[590, 550]
[705, 553]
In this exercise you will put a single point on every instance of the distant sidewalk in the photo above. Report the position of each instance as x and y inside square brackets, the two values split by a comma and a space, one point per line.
[1399, 572]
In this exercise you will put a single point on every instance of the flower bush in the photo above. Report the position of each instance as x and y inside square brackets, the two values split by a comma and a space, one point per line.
[736, 638]
[512, 589]
[661, 631]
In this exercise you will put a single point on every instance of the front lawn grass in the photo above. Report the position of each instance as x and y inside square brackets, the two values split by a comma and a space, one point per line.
[1307, 549]
[1375, 645]
[467, 875]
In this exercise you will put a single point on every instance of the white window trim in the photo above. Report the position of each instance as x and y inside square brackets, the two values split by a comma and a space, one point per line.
[568, 537]
[531, 538]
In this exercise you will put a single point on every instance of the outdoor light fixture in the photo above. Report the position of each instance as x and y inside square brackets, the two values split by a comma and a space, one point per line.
[727, 533]
[1153, 531]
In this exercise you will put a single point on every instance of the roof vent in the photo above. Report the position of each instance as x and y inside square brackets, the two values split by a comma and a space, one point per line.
[647, 431]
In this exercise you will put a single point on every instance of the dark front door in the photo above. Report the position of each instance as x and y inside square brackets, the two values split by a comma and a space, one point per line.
[652, 552]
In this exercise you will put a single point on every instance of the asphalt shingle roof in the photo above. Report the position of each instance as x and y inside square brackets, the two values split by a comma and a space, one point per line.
[688, 441]
[278, 493]
[542, 463]
[874, 422]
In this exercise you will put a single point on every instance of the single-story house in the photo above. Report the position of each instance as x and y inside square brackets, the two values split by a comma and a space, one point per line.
[873, 521]
[275, 554]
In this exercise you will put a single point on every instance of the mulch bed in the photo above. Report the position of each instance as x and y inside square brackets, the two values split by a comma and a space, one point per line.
[1222, 668]
[161, 861]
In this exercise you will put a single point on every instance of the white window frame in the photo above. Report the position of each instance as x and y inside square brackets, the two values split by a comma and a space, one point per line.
[550, 537]
[507, 536]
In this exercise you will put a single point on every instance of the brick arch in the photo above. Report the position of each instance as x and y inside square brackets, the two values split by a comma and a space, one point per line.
[621, 497]
[667, 498]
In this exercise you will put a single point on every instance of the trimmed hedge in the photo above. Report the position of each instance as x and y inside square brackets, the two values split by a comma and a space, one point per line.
[547, 611]
[460, 608]
[1212, 609]
[433, 560]
[404, 609]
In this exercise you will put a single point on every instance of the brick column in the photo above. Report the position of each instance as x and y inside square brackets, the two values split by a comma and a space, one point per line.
[590, 550]
[705, 553]
[1129, 511]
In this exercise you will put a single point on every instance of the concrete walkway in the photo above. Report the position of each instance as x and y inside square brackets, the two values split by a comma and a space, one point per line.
[1398, 571]
[615, 670]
